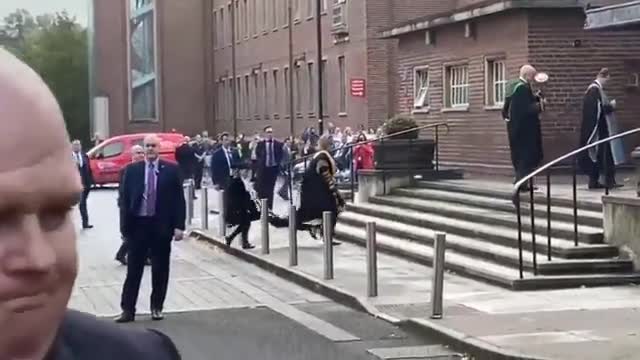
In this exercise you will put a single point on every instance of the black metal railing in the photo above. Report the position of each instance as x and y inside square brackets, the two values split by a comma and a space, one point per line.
[347, 150]
[546, 169]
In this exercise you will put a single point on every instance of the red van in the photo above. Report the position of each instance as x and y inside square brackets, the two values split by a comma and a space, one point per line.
[108, 158]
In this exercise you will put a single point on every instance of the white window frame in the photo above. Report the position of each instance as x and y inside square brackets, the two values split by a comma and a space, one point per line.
[457, 86]
[420, 89]
[495, 87]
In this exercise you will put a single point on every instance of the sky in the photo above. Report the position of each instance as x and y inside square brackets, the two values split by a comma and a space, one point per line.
[78, 8]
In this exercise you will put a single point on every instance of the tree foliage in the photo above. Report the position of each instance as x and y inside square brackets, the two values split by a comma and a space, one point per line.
[56, 47]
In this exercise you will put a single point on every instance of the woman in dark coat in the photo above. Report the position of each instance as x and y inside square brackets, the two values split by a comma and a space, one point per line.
[319, 192]
[240, 211]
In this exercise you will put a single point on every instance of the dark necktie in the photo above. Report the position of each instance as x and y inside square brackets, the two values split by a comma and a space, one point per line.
[151, 190]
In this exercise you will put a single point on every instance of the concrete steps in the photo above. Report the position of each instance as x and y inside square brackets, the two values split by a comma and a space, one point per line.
[482, 237]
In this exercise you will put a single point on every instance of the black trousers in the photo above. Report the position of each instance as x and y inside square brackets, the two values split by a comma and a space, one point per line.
[124, 249]
[84, 214]
[267, 182]
[147, 237]
[242, 228]
[197, 175]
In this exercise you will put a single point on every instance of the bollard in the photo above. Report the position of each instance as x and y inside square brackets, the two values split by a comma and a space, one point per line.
[293, 237]
[222, 224]
[204, 208]
[328, 245]
[264, 221]
[439, 247]
[189, 198]
[372, 260]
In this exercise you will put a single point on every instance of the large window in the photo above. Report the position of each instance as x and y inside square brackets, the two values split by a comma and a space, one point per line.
[284, 7]
[343, 85]
[245, 19]
[297, 83]
[311, 8]
[325, 88]
[247, 98]
[255, 96]
[421, 88]
[237, 20]
[496, 82]
[287, 98]
[222, 41]
[265, 95]
[276, 92]
[239, 99]
[296, 9]
[142, 60]
[274, 12]
[311, 84]
[457, 82]
[216, 35]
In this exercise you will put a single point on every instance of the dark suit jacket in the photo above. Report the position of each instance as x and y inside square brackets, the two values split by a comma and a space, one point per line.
[84, 337]
[170, 202]
[261, 155]
[85, 172]
[220, 167]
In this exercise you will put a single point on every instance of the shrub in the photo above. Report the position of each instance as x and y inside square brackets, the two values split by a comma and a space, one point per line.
[400, 123]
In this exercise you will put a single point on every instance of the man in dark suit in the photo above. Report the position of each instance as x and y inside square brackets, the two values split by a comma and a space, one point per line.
[37, 241]
[84, 168]
[153, 212]
[269, 154]
[222, 162]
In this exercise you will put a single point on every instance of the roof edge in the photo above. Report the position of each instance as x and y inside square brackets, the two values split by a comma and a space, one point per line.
[472, 13]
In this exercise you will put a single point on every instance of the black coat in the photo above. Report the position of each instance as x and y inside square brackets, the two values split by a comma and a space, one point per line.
[316, 196]
[590, 119]
[220, 171]
[84, 337]
[261, 155]
[240, 208]
[186, 158]
[85, 172]
[170, 202]
[525, 136]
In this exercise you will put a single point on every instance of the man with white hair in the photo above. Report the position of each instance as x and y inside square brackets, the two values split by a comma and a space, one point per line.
[38, 260]
[521, 112]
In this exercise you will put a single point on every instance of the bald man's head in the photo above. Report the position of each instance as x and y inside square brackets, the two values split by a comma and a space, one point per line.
[38, 186]
[528, 72]
[152, 147]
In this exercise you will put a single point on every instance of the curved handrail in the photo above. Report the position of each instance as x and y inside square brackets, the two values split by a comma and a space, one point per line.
[548, 165]
[382, 138]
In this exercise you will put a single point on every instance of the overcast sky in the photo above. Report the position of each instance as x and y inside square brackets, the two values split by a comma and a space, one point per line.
[78, 8]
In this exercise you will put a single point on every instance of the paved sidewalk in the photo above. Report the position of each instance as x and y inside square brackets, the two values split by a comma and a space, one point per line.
[589, 323]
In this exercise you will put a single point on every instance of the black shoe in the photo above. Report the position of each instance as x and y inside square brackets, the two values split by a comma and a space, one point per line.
[248, 246]
[87, 226]
[228, 240]
[156, 315]
[125, 317]
[336, 243]
[594, 186]
[147, 262]
[122, 260]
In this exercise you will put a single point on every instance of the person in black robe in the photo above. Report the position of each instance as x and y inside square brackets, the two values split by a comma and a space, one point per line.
[186, 158]
[521, 111]
[240, 211]
[319, 192]
[595, 110]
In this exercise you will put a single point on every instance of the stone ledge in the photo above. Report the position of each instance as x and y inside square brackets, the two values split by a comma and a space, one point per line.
[621, 200]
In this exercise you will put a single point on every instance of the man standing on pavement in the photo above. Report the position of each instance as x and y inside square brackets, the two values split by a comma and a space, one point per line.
[39, 185]
[84, 168]
[153, 213]
[137, 154]
[521, 112]
[269, 153]
[223, 161]
[200, 153]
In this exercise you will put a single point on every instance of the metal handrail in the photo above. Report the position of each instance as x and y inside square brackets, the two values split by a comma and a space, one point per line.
[381, 138]
[529, 179]
[550, 164]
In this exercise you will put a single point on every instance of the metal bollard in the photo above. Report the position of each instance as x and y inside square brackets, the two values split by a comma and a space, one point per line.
[293, 237]
[328, 245]
[264, 221]
[372, 260]
[222, 224]
[439, 247]
[204, 208]
[189, 198]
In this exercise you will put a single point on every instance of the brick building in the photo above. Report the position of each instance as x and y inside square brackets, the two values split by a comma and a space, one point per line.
[150, 65]
[453, 64]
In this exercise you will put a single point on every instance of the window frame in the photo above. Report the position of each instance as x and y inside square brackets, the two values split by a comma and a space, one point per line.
[490, 82]
[343, 78]
[449, 87]
[426, 97]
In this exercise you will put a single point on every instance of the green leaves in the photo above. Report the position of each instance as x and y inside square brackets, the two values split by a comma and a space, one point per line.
[56, 47]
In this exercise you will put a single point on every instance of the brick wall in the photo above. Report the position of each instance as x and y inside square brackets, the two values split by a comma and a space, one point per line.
[477, 138]
[572, 66]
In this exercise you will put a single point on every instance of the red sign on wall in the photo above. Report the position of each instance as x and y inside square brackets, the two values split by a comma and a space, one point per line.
[357, 87]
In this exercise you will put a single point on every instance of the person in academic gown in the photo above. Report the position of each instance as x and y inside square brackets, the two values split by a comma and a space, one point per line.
[597, 124]
[521, 111]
